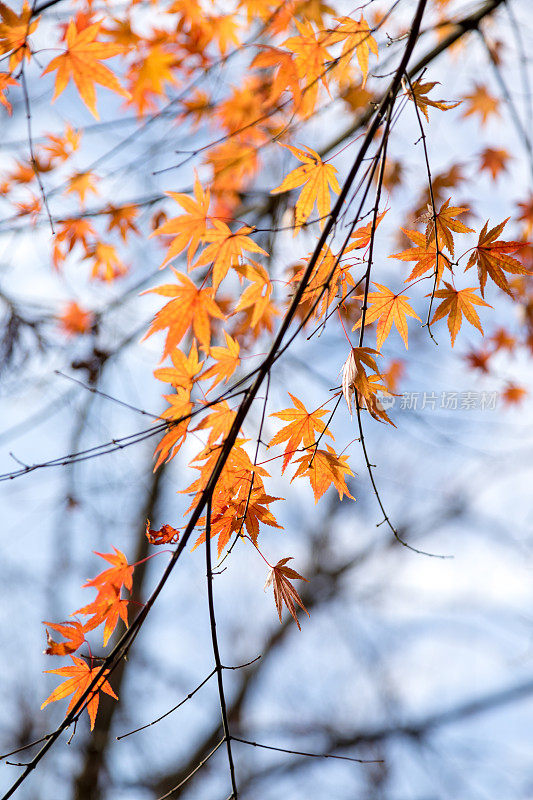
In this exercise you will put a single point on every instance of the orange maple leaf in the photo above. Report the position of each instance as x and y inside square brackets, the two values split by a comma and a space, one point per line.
[72, 631]
[455, 303]
[108, 607]
[323, 468]
[231, 514]
[179, 415]
[318, 177]
[227, 359]
[387, 307]
[184, 371]
[189, 228]
[481, 102]
[286, 76]
[363, 235]
[81, 62]
[5, 82]
[74, 320]
[424, 254]
[122, 219]
[106, 264]
[492, 258]
[418, 92]
[79, 678]
[14, 31]
[219, 421]
[513, 394]
[120, 574]
[280, 577]
[301, 429]
[190, 308]
[62, 147]
[444, 223]
[494, 160]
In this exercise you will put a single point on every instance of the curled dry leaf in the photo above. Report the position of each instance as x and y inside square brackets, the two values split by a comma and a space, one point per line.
[166, 534]
[72, 631]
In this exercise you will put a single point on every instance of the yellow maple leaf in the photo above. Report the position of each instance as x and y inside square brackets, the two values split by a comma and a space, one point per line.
[80, 61]
[387, 307]
[454, 304]
[318, 177]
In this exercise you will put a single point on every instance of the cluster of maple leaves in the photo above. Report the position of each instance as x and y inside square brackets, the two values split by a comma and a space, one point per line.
[313, 56]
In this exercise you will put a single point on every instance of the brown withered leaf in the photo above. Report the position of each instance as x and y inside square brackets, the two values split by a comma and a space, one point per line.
[284, 591]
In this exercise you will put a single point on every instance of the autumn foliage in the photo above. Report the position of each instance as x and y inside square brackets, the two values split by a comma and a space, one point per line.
[220, 302]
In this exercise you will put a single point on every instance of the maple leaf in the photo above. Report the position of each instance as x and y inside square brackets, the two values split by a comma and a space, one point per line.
[219, 421]
[502, 340]
[107, 607]
[256, 296]
[191, 307]
[179, 415]
[280, 577]
[72, 232]
[387, 307]
[494, 161]
[455, 303]
[79, 678]
[231, 514]
[527, 215]
[318, 177]
[166, 534]
[185, 369]
[324, 467]
[311, 58]
[301, 429]
[513, 394]
[224, 249]
[14, 31]
[481, 102]
[363, 235]
[479, 360]
[286, 77]
[62, 147]
[418, 92]
[425, 256]
[80, 183]
[492, 258]
[356, 381]
[189, 228]
[81, 62]
[122, 219]
[106, 264]
[5, 82]
[443, 223]
[357, 37]
[120, 574]
[224, 29]
[74, 320]
[227, 358]
[72, 631]
[148, 75]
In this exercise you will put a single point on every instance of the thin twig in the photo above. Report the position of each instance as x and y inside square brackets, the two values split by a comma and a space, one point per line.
[216, 652]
